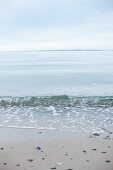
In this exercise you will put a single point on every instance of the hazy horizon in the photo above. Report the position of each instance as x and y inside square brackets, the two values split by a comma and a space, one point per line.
[26, 50]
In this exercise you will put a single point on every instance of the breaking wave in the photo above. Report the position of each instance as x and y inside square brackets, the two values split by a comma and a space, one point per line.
[79, 114]
[63, 100]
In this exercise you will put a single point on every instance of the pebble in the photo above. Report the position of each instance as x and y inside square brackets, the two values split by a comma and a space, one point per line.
[1, 148]
[30, 160]
[96, 134]
[87, 160]
[94, 149]
[107, 161]
[66, 154]
[17, 165]
[38, 147]
[53, 168]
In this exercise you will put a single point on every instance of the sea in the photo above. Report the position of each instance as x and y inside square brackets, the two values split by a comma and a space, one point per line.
[57, 90]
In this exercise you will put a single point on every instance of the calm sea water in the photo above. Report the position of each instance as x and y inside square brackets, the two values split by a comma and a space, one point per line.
[65, 90]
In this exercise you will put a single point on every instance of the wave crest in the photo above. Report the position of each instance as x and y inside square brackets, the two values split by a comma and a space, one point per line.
[63, 100]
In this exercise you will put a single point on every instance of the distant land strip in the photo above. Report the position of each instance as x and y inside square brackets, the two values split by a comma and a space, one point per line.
[57, 50]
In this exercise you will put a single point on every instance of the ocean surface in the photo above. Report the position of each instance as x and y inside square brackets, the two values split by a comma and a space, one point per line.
[63, 90]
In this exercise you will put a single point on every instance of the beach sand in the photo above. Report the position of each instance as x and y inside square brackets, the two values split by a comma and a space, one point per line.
[31, 149]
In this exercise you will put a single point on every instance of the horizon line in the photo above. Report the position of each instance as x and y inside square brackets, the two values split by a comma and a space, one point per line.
[56, 50]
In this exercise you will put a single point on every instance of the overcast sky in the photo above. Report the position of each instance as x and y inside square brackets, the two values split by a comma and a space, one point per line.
[56, 24]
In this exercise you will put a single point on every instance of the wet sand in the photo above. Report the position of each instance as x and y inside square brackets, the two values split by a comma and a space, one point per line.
[31, 149]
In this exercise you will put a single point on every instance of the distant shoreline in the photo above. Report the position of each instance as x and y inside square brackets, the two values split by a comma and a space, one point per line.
[57, 50]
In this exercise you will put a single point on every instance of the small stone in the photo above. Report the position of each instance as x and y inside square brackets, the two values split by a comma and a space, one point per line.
[5, 163]
[30, 160]
[96, 134]
[66, 154]
[87, 160]
[107, 161]
[53, 168]
[17, 165]
[38, 147]
[94, 149]
[85, 151]
[2, 148]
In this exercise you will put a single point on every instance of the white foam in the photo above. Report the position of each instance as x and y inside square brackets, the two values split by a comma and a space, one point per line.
[73, 119]
[51, 108]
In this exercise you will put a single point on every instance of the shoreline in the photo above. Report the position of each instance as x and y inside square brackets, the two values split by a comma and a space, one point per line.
[26, 149]
[93, 134]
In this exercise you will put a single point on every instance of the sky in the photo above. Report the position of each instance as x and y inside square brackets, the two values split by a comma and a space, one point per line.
[56, 24]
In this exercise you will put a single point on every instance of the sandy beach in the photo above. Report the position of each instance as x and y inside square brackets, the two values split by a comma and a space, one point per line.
[25, 149]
